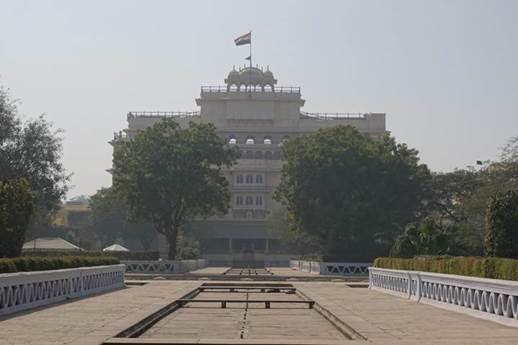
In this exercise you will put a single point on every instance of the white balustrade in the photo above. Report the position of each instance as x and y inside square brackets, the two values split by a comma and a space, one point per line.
[26, 290]
[486, 298]
[332, 268]
[345, 268]
[163, 266]
[295, 264]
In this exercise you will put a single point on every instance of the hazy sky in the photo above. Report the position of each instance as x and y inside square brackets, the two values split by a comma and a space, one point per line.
[445, 72]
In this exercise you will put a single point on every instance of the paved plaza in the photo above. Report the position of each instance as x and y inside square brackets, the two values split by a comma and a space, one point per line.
[361, 316]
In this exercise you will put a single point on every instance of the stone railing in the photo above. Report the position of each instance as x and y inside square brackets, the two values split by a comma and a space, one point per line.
[486, 298]
[26, 290]
[163, 266]
[332, 268]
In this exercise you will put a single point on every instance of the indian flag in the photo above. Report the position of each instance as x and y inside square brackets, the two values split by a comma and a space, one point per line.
[244, 39]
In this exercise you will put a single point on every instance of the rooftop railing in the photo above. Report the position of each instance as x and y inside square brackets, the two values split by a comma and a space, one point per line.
[334, 116]
[164, 113]
[258, 89]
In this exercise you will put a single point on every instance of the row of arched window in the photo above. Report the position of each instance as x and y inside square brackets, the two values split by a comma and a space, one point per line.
[249, 200]
[249, 179]
[250, 140]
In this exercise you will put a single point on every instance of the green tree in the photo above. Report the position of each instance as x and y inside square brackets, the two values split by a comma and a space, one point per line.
[111, 220]
[353, 192]
[425, 238]
[109, 215]
[293, 240]
[502, 225]
[15, 212]
[170, 175]
[32, 150]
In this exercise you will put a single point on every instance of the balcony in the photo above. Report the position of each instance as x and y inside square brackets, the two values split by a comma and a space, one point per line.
[335, 116]
[177, 114]
[222, 89]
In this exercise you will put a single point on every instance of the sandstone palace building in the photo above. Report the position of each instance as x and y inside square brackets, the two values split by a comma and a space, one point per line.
[255, 114]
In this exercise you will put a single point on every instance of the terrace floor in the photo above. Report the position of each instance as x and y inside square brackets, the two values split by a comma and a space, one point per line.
[376, 318]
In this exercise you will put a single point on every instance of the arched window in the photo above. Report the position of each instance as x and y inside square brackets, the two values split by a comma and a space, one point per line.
[239, 200]
[249, 200]
[277, 155]
[259, 200]
[250, 154]
[232, 141]
[267, 141]
[249, 179]
[239, 179]
[258, 154]
[268, 155]
[259, 179]
[250, 141]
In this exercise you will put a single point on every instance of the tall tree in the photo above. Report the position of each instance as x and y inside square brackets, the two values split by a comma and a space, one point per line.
[170, 175]
[15, 211]
[110, 219]
[461, 197]
[353, 192]
[502, 225]
[32, 150]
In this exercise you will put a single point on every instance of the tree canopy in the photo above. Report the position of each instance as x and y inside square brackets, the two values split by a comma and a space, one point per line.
[32, 150]
[353, 192]
[170, 175]
[15, 211]
[110, 219]
[424, 238]
[502, 225]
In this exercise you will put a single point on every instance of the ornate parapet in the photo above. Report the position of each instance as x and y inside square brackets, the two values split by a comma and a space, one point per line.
[491, 299]
[332, 268]
[26, 290]
[163, 266]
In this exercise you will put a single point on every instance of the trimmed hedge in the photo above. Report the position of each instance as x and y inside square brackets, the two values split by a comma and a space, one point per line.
[484, 267]
[120, 255]
[34, 263]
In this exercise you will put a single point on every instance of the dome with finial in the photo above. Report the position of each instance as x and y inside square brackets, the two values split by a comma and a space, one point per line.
[253, 76]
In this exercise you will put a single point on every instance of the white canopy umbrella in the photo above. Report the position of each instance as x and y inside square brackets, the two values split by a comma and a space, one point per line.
[115, 248]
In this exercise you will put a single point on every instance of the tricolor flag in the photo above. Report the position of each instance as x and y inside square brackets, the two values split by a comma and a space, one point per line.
[248, 58]
[244, 39]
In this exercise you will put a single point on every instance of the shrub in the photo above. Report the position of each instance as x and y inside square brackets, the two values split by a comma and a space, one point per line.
[502, 225]
[491, 267]
[34, 263]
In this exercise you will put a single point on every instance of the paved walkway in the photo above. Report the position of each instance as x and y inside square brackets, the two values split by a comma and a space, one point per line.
[389, 320]
[286, 271]
[89, 321]
[382, 319]
[210, 270]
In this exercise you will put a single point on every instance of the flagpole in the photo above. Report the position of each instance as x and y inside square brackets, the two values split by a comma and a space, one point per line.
[250, 70]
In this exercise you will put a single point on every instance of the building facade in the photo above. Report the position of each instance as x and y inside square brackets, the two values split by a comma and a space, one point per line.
[255, 114]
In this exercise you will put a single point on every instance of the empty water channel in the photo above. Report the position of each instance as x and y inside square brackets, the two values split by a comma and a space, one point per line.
[248, 272]
[239, 312]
